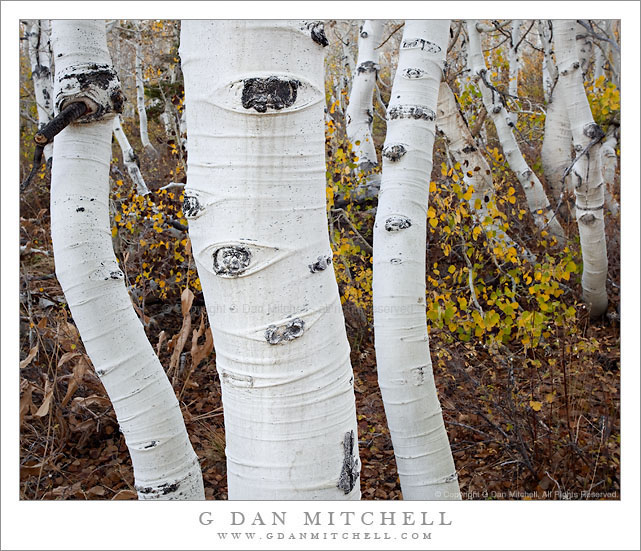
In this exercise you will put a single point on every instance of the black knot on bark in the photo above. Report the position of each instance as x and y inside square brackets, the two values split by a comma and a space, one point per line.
[271, 92]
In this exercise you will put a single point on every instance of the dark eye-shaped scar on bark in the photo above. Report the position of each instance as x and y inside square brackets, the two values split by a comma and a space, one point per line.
[321, 264]
[231, 261]
[285, 333]
[397, 223]
[271, 92]
[394, 152]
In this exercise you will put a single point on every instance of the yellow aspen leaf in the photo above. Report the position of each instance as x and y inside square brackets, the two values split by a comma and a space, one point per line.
[536, 406]
[549, 398]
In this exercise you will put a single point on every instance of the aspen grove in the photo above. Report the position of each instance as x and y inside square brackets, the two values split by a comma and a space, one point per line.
[336, 260]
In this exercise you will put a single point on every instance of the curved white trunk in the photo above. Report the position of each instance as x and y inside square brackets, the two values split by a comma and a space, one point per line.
[255, 201]
[537, 200]
[548, 69]
[586, 173]
[514, 60]
[556, 150]
[463, 148]
[360, 111]
[129, 157]
[40, 58]
[165, 465]
[423, 455]
[140, 99]
[599, 61]
[608, 170]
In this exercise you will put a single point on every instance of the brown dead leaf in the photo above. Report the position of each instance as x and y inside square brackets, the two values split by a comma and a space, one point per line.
[96, 491]
[200, 352]
[125, 494]
[46, 402]
[79, 371]
[161, 340]
[186, 300]
[67, 356]
[32, 354]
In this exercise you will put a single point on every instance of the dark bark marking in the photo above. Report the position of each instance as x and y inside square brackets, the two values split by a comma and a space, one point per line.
[80, 209]
[395, 261]
[115, 274]
[263, 93]
[321, 263]
[417, 112]
[285, 333]
[163, 489]
[397, 223]
[413, 73]
[191, 206]
[422, 44]
[151, 444]
[394, 152]
[317, 30]
[367, 67]
[349, 472]
[231, 260]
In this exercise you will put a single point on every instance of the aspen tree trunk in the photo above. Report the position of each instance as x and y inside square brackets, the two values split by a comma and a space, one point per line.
[129, 157]
[584, 47]
[140, 98]
[165, 465]
[542, 211]
[425, 465]
[360, 111]
[599, 62]
[255, 202]
[476, 170]
[586, 173]
[556, 150]
[608, 170]
[40, 57]
[548, 69]
[514, 59]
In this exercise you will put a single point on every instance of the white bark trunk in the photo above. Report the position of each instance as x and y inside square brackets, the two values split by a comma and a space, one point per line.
[129, 157]
[584, 47]
[463, 148]
[514, 60]
[425, 465]
[40, 57]
[255, 201]
[608, 170]
[556, 150]
[548, 68]
[165, 465]
[586, 173]
[599, 61]
[140, 99]
[360, 111]
[537, 200]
